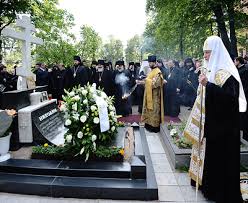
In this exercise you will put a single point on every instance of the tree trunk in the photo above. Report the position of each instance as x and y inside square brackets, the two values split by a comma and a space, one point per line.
[1, 44]
[1, 50]
[222, 26]
[181, 43]
[233, 38]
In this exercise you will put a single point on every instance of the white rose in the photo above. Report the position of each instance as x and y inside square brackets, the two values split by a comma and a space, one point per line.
[96, 120]
[77, 97]
[113, 128]
[93, 138]
[80, 135]
[93, 108]
[112, 113]
[115, 119]
[83, 118]
[69, 138]
[84, 92]
[68, 122]
[63, 108]
[174, 130]
[94, 146]
[71, 94]
[82, 151]
[76, 116]
[85, 101]
[74, 107]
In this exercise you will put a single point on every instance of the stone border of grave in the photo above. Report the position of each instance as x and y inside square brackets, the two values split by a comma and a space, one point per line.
[180, 158]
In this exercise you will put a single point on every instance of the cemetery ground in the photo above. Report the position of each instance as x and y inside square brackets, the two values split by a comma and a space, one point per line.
[173, 184]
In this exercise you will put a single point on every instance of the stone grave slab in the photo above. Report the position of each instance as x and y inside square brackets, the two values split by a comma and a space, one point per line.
[133, 180]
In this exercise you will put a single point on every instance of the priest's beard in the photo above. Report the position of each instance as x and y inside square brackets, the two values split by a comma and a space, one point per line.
[120, 70]
[99, 69]
[152, 66]
[76, 65]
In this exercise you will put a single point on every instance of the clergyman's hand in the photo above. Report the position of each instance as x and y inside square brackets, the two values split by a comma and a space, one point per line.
[203, 79]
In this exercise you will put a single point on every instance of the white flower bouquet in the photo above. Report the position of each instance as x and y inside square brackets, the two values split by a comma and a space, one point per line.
[83, 120]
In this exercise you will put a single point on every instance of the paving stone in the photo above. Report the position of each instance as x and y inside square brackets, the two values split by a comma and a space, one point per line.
[183, 179]
[125, 201]
[162, 168]
[190, 195]
[165, 179]
[159, 159]
[170, 194]
[155, 145]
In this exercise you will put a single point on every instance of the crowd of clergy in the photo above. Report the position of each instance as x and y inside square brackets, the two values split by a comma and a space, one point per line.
[124, 82]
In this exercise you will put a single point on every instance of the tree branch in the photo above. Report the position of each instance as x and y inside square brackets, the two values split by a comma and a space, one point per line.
[10, 21]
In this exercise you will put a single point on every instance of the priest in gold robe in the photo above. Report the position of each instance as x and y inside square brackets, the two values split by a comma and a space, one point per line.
[153, 105]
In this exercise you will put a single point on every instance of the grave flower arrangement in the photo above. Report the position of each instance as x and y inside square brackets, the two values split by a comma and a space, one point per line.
[88, 127]
[180, 141]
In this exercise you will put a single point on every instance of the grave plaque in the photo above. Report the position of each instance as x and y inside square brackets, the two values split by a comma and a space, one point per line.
[49, 123]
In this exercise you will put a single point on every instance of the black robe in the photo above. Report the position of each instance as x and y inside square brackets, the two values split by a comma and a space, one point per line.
[243, 72]
[56, 83]
[123, 106]
[42, 77]
[140, 91]
[105, 81]
[221, 176]
[189, 87]
[81, 78]
[7, 82]
[134, 76]
[171, 96]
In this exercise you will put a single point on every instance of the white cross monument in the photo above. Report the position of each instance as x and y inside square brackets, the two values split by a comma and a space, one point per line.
[26, 78]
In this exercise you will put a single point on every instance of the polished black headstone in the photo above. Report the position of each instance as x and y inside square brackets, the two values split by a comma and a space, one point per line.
[17, 99]
[48, 122]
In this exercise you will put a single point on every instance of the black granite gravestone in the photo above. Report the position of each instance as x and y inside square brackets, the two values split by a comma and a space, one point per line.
[17, 99]
[48, 123]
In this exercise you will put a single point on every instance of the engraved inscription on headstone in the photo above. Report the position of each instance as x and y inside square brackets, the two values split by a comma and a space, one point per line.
[50, 123]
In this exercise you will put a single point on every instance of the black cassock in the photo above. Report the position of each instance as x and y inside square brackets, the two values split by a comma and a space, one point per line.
[56, 83]
[76, 76]
[134, 76]
[105, 81]
[6, 82]
[221, 176]
[171, 96]
[243, 72]
[42, 77]
[123, 106]
[189, 87]
[140, 91]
